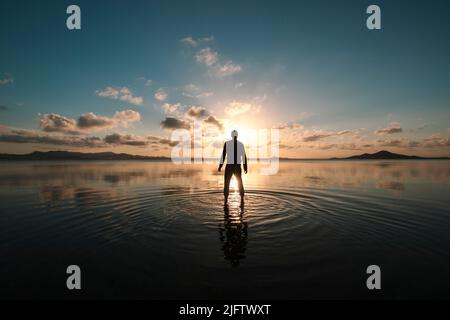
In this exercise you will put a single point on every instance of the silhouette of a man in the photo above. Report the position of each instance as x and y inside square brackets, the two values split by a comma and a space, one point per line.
[234, 151]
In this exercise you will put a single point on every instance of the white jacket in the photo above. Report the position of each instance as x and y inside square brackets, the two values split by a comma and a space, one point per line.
[228, 152]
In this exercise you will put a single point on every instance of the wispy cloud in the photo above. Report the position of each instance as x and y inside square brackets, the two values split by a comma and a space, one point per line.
[161, 94]
[316, 135]
[436, 141]
[7, 79]
[190, 41]
[235, 108]
[216, 67]
[393, 128]
[290, 125]
[207, 56]
[122, 94]
[391, 143]
[193, 91]
[169, 108]
[227, 69]
[339, 146]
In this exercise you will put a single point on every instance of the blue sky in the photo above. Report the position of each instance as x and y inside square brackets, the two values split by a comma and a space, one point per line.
[311, 68]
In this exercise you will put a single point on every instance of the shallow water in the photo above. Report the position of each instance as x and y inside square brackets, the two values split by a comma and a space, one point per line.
[157, 230]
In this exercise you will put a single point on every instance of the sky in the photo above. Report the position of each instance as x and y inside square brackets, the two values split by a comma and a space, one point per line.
[138, 70]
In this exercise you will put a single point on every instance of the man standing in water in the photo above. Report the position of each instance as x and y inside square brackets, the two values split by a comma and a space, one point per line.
[235, 152]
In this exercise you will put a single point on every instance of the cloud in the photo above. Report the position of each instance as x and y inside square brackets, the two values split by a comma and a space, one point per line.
[192, 91]
[236, 108]
[168, 142]
[207, 56]
[174, 123]
[391, 143]
[8, 79]
[393, 128]
[292, 126]
[436, 141]
[92, 121]
[86, 122]
[57, 123]
[161, 94]
[399, 143]
[213, 121]
[197, 112]
[13, 135]
[414, 144]
[126, 116]
[23, 136]
[126, 139]
[225, 70]
[286, 146]
[189, 41]
[316, 136]
[216, 66]
[171, 108]
[122, 94]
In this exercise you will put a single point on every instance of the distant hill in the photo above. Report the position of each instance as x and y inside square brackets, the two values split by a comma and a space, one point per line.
[384, 155]
[68, 155]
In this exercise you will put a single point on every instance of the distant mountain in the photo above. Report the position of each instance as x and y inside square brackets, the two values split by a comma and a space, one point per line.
[381, 155]
[68, 155]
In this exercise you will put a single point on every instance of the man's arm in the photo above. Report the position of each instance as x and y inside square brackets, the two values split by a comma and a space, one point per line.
[245, 161]
[222, 158]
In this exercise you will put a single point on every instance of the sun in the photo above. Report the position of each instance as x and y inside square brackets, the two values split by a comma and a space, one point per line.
[247, 134]
[234, 185]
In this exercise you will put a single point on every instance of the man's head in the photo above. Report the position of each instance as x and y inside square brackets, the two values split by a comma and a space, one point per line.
[234, 134]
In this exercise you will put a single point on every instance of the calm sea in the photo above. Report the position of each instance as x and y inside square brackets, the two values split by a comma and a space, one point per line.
[156, 230]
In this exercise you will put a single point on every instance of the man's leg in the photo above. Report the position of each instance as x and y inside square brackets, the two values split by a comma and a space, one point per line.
[238, 174]
[227, 180]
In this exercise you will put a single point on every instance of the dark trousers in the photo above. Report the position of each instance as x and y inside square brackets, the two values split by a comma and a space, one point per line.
[231, 169]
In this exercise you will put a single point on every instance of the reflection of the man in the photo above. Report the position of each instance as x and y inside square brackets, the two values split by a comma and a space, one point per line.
[233, 234]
